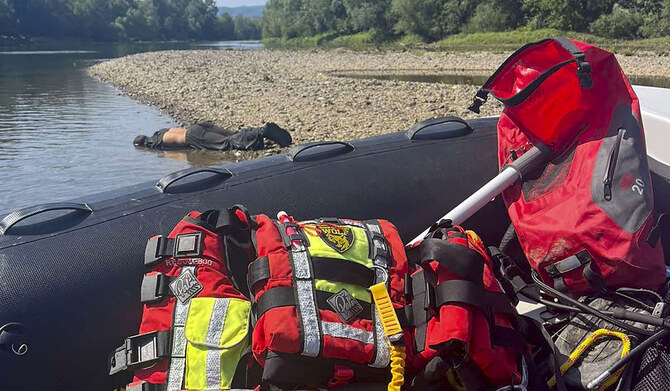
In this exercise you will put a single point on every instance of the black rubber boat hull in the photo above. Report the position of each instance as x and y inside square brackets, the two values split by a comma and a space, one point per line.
[72, 278]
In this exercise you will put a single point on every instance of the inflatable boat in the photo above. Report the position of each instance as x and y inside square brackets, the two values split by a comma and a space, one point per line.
[70, 272]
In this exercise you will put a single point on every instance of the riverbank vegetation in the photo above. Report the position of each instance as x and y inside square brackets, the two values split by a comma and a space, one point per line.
[467, 23]
[117, 20]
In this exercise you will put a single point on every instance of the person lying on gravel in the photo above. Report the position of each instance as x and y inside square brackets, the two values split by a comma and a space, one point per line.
[208, 136]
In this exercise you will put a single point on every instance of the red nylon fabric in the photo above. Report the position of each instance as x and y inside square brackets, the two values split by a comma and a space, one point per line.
[467, 323]
[158, 316]
[565, 215]
[278, 329]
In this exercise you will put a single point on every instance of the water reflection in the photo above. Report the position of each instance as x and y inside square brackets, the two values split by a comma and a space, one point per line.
[64, 134]
[194, 157]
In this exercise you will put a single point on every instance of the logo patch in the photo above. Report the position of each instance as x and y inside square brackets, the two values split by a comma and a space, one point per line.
[185, 286]
[338, 238]
[345, 305]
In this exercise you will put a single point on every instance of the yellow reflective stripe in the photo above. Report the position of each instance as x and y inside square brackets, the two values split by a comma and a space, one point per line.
[217, 334]
[358, 252]
[356, 291]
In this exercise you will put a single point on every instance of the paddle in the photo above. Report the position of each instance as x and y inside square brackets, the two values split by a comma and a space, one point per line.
[509, 175]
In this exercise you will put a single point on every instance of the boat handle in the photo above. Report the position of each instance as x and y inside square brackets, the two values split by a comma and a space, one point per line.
[328, 149]
[413, 132]
[170, 179]
[23, 214]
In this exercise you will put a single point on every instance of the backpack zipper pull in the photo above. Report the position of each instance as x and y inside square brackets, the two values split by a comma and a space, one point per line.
[611, 165]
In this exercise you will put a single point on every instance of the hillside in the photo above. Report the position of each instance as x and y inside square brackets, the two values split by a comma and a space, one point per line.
[254, 11]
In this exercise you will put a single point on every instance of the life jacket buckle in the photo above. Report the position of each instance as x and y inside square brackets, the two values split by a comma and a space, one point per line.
[341, 376]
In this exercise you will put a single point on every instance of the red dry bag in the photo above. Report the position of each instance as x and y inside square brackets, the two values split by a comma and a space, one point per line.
[583, 221]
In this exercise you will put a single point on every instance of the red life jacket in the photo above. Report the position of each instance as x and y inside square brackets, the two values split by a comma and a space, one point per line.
[188, 280]
[583, 222]
[316, 324]
[460, 313]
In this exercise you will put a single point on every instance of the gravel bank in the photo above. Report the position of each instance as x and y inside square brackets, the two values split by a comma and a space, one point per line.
[302, 92]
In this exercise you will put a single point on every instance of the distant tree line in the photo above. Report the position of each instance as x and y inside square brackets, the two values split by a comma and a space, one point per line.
[436, 19]
[114, 20]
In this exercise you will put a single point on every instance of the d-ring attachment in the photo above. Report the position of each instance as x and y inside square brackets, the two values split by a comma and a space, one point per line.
[384, 272]
[23, 349]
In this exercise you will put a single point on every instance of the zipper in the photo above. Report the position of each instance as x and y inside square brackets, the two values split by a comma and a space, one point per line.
[611, 165]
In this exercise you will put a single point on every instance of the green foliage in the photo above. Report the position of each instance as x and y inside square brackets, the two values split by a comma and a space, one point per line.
[428, 19]
[558, 14]
[657, 24]
[246, 27]
[493, 16]
[621, 23]
[110, 20]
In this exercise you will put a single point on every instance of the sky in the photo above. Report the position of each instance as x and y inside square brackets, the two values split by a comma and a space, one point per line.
[237, 3]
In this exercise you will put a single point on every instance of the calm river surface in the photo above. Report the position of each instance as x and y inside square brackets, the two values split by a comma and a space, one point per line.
[64, 134]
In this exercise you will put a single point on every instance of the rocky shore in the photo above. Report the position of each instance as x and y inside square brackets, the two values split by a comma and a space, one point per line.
[305, 92]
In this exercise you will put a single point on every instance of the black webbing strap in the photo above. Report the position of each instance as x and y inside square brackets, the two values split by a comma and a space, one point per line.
[460, 291]
[583, 67]
[259, 270]
[285, 297]
[590, 273]
[422, 301]
[511, 278]
[466, 263]
[657, 230]
[583, 73]
[158, 248]
[339, 270]
[146, 386]
[155, 288]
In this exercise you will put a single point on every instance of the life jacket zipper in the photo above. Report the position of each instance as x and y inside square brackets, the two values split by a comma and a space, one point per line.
[611, 165]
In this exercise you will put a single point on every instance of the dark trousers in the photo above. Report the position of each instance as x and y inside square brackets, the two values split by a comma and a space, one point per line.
[218, 139]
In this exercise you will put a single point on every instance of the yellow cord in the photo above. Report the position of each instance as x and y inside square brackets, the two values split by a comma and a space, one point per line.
[574, 356]
[393, 333]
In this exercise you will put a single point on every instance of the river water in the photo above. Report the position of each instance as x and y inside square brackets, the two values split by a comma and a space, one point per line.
[64, 134]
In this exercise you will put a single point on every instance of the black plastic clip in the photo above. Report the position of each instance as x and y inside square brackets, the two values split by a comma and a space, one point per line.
[480, 98]
[584, 74]
[155, 288]
[140, 350]
[157, 248]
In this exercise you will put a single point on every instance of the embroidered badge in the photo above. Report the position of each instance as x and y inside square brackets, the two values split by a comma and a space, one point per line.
[185, 286]
[345, 305]
[338, 238]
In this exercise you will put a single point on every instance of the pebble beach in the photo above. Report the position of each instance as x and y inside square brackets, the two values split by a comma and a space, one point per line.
[305, 92]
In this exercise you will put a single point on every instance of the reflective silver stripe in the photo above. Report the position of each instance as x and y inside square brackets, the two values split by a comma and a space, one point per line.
[374, 228]
[341, 330]
[213, 361]
[301, 268]
[306, 306]
[383, 355]
[309, 318]
[178, 356]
